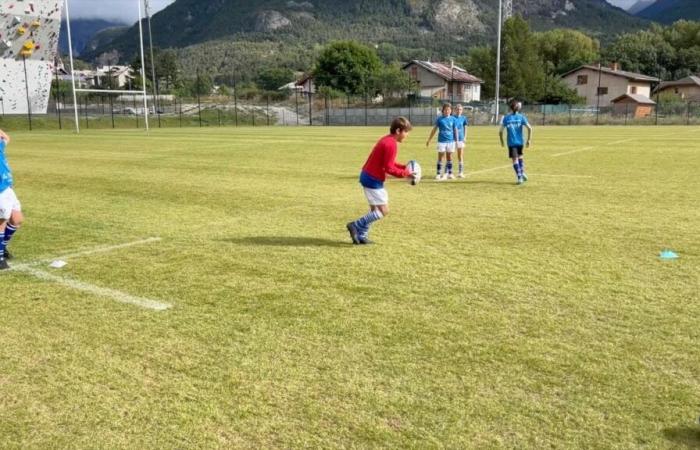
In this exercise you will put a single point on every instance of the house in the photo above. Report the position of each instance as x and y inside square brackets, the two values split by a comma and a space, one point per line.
[444, 81]
[638, 106]
[121, 76]
[306, 85]
[600, 85]
[687, 88]
[290, 87]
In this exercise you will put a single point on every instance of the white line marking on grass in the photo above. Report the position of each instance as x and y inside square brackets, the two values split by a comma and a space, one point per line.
[556, 155]
[108, 249]
[118, 296]
[113, 294]
[93, 251]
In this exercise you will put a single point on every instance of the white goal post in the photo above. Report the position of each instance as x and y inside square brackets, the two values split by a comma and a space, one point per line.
[72, 71]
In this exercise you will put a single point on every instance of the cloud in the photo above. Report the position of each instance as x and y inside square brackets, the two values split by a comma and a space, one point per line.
[118, 10]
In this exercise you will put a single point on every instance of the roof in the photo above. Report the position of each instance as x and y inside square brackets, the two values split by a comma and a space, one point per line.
[687, 81]
[618, 73]
[305, 78]
[641, 99]
[445, 71]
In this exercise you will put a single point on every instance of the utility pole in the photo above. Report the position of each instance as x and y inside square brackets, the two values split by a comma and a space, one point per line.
[505, 12]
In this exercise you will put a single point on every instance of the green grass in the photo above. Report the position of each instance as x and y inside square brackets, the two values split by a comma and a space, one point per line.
[487, 316]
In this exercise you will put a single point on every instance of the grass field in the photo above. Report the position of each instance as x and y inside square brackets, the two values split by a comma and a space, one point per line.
[487, 316]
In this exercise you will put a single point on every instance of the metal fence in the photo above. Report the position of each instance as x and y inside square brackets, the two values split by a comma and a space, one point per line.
[109, 111]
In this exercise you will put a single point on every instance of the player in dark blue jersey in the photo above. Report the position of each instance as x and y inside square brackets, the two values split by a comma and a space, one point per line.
[514, 123]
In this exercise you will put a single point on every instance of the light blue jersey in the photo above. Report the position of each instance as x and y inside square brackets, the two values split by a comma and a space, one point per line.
[461, 122]
[5, 172]
[446, 127]
[514, 124]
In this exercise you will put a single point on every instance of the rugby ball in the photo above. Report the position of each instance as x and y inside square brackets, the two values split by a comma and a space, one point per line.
[414, 167]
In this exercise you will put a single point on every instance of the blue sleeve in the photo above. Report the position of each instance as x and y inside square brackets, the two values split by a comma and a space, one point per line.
[2, 145]
[437, 122]
[525, 121]
[466, 121]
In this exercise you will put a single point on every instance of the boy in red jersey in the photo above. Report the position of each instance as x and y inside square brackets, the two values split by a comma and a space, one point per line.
[381, 161]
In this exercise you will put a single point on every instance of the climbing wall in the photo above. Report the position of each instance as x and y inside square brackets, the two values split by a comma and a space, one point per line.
[28, 32]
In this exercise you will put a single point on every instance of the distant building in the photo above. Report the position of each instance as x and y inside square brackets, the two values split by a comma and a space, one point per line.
[306, 85]
[444, 81]
[121, 76]
[635, 105]
[687, 88]
[600, 85]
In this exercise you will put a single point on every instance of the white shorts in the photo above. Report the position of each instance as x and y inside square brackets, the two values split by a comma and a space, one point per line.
[461, 145]
[446, 147]
[8, 203]
[376, 197]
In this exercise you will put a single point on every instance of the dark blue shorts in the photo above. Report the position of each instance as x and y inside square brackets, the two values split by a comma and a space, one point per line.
[514, 152]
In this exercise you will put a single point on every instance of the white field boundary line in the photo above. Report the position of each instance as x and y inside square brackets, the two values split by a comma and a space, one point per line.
[118, 296]
[591, 147]
[94, 251]
[98, 291]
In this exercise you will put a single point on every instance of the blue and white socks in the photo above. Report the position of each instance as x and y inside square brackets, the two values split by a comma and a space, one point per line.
[439, 167]
[364, 223]
[9, 232]
[521, 165]
[449, 168]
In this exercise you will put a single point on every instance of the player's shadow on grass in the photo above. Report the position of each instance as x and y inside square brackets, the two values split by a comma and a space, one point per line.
[287, 241]
[687, 436]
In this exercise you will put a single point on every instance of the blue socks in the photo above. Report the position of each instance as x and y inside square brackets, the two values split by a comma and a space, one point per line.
[521, 165]
[449, 167]
[439, 167]
[516, 167]
[9, 232]
[363, 224]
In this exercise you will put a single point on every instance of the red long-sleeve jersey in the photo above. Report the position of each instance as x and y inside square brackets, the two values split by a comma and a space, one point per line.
[382, 160]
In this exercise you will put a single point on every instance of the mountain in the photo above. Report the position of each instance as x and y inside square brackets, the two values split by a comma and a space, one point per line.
[82, 31]
[669, 11]
[237, 35]
[640, 6]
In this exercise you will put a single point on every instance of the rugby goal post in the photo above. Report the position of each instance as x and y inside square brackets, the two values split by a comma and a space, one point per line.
[107, 91]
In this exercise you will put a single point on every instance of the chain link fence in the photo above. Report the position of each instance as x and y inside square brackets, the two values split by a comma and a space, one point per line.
[97, 111]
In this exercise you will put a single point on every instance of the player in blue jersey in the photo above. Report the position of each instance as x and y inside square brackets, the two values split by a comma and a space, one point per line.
[461, 122]
[513, 123]
[10, 208]
[447, 137]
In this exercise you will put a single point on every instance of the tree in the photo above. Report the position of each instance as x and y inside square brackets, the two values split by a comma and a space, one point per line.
[481, 61]
[392, 81]
[167, 68]
[347, 66]
[272, 79]
[522, 72]
[563, 50]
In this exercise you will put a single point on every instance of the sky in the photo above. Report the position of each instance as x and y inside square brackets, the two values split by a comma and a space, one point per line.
[625, 4]
[119, 10]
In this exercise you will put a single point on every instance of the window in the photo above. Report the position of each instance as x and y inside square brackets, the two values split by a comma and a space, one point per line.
[633, 90]
[602, 91]
[581, 80]
[414, 73]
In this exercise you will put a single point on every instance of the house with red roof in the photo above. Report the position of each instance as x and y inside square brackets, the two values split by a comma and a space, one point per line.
[444, 81]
